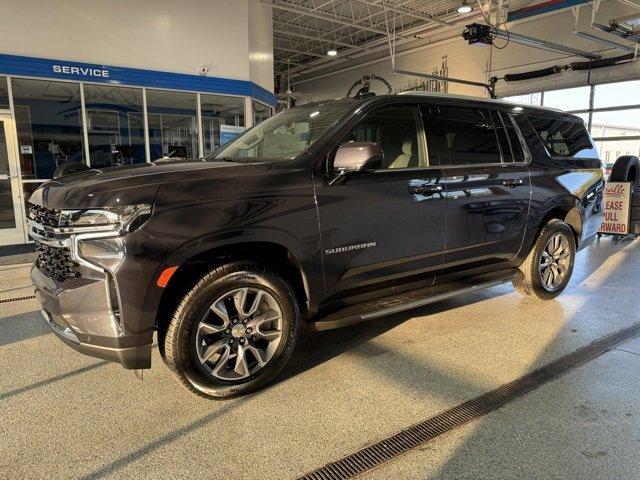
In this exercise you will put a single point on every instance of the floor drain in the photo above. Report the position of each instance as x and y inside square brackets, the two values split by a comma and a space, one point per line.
[373, 455]
[17, 299]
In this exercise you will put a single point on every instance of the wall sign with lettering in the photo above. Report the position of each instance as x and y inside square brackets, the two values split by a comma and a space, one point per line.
[53, 69]
[617, 208]
[80, 71]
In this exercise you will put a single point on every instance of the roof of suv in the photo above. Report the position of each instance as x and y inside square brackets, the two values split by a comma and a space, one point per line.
[477, 99]
[448, 96]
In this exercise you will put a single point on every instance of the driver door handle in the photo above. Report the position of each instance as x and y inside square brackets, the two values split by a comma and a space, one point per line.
[513, 182]
[425, 189]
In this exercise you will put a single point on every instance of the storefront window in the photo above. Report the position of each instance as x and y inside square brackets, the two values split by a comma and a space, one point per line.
[616, 123]
[617, 94]
[7, 217]
[49, 124]
[568, 98]
[173, 130]
[115, 125]
[222, 120]
[4, 93]
[260, 112]
[610, 150]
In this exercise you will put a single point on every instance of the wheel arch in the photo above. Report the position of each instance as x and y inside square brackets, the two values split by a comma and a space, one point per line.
[569, 214]
[273, 255]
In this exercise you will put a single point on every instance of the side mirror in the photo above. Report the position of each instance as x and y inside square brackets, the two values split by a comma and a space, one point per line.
[357, 156]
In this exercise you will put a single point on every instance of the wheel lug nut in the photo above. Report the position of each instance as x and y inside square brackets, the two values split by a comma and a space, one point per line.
[245, 320]
[227, 331]
[249, 330]
[242, 340]
[235, 321]
[231, 341]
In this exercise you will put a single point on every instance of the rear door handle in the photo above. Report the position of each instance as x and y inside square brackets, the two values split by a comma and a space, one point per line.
[425, 189]
[513, 182]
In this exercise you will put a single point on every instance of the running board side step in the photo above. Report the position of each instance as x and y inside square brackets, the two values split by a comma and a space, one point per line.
[406, 301]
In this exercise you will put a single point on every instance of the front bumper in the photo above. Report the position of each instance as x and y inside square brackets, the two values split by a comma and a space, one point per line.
[79, 313]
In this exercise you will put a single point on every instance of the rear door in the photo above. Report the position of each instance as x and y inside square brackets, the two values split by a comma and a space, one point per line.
[487, 182]
[383, 226]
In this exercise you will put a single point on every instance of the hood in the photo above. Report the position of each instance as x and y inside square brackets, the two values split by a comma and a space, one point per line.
[134, 184]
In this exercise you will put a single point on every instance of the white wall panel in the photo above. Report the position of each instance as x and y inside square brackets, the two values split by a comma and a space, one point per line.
[162, 35]
[464, 61]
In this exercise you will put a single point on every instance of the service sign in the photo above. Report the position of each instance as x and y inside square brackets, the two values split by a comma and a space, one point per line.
[617, 205]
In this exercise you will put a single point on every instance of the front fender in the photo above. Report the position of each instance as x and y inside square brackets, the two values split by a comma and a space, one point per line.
[307, 260]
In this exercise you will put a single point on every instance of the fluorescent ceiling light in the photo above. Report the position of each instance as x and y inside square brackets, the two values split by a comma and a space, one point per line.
[332, 52]
[464, 7]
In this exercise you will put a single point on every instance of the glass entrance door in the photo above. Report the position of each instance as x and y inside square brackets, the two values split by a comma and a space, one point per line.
[11, 205]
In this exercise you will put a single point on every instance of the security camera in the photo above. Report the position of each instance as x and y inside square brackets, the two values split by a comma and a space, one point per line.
[203, 70]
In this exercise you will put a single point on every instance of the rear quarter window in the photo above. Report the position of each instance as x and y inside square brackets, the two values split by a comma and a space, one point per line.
[563, 137]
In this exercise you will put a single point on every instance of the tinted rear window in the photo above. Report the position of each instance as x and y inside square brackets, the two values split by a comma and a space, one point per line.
[460, 136]
[562, 137]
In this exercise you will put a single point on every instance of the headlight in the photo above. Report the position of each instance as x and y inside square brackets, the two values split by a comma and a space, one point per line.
[121, 218]
[105, 252]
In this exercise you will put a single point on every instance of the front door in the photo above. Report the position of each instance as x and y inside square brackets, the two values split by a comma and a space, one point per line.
[384, 227]
[11, 207]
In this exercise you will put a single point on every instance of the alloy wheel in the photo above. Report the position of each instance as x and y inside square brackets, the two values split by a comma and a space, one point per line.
[555, 262]
[239, 333]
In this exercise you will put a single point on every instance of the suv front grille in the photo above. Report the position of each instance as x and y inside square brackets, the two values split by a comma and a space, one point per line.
[56, 262]
[44, 216]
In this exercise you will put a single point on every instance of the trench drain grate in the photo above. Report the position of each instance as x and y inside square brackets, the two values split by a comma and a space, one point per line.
[17, 299]
[377, 453]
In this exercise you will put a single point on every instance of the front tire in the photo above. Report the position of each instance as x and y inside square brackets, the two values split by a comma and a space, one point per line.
[233, 332]
[547, 269]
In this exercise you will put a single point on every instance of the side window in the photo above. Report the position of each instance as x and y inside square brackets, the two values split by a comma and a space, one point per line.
[563, 138]
[503, 137]
[460, 136]
[514, 139]
[398, 132]
[527, 131]
[509, 140]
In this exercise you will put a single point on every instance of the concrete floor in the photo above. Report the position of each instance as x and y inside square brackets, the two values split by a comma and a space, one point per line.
[63, 415]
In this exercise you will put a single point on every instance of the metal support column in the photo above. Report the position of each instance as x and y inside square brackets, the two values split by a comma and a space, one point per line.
[85, 126]
[145, 121]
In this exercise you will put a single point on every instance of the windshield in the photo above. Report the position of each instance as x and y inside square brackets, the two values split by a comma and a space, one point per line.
[285, 135]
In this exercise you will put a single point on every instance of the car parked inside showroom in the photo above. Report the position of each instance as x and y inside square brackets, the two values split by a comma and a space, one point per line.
[324, 215]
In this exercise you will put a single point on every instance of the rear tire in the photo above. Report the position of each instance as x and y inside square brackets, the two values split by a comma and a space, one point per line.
[547, 269]
[233, 332]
